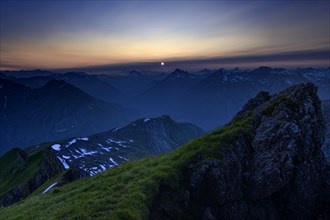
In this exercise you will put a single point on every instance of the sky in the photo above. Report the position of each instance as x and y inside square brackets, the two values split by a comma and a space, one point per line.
[105, 35]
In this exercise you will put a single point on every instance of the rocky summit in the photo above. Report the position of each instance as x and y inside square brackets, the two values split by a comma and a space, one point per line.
[267, 163]
[276, 171]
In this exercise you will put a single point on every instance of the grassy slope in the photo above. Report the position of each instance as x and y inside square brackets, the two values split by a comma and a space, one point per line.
[127, 191]
[15, 170]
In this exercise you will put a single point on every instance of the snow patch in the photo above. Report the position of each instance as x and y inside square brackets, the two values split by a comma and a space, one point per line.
[146, 119]
[85, 152]
[75, 140]
[92, 173]
[123, 158]
[56, 147]
[66, 166]
[103, 167]
[51, 186]
[120, 143]
[116, 129]
[107, 149]
[114, 162]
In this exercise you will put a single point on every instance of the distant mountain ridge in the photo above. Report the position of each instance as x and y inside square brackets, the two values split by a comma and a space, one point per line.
[200, 99]
[55, 111]
[195, 97]
[86, 82]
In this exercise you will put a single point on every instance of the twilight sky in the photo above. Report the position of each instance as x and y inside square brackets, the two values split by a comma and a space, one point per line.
[196, 34]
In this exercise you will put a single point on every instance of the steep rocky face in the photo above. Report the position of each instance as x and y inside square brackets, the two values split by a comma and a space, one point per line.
[35, 171]
[276, 171]
[72, 175]
[326, 113]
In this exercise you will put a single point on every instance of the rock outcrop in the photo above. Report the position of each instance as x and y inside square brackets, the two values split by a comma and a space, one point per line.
[326, 114]
[278, 171]
[72, 175]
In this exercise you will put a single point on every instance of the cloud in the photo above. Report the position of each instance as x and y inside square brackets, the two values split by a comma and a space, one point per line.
[292, 58]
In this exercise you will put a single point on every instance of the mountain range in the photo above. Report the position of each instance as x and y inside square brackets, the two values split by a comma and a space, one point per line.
[267, 162]
[207, 98]
[86, 82]
[198, 97]
[57, 110]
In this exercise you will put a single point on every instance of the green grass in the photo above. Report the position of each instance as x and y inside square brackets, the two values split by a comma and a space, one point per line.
[10, 160]
[16, 170]
[282, 99]
[127, 191]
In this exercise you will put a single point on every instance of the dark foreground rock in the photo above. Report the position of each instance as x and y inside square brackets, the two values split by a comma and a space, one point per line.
[276, 172]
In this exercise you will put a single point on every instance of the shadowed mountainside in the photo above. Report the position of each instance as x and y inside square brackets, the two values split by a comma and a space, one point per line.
[55, 111]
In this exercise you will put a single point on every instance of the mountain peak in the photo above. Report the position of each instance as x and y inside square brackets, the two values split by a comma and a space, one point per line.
[178, 70]
[220, 76]
[135, 73]
[290, 100]
[263, 69]
[180, 74]
[275, 148]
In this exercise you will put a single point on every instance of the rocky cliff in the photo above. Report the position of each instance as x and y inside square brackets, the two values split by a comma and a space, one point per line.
[326, 114]
[275, 171]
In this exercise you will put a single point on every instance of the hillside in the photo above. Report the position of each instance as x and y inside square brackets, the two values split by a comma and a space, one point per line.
[24, 171]
[266, 163]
